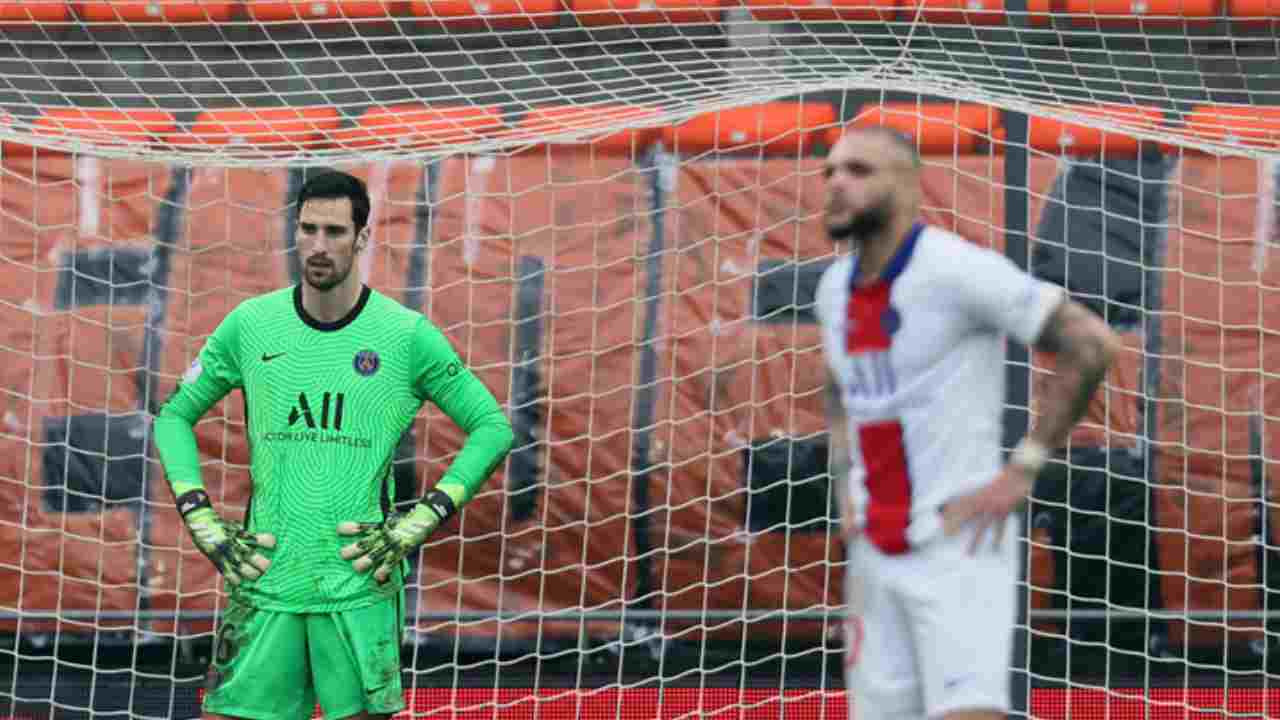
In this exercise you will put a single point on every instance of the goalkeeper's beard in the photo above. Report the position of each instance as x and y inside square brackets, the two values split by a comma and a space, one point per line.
[337, 274]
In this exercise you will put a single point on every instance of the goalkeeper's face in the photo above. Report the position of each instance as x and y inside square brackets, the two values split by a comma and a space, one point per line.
[328, 242]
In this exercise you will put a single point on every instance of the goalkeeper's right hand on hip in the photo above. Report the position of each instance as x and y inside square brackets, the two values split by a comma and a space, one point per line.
[231, 548]
[382, 546]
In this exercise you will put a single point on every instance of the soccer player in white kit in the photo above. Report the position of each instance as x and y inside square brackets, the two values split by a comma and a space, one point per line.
[914, 324]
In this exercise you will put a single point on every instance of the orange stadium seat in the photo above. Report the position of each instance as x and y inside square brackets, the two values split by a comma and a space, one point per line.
[1146, 12]
[107, 125]
[1059, 136]
[774, 128]
[598, 122]
[1248, 125]
[277, 129]
[1039, 12]
[24, 12]
[647, 12]
[155, 11]
[941, 128]
[823, 10]
[486, 14]
[957, 12]
[277, 10]
[1254, 11]
[414, 125]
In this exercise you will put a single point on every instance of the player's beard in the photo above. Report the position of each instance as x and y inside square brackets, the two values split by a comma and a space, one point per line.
[866, 224]
[337, 274]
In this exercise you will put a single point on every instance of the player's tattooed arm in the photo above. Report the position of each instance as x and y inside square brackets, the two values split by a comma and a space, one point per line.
[1084, 347]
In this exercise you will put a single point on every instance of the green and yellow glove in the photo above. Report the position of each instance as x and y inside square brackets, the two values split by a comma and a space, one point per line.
[384, 545]
[231, 548]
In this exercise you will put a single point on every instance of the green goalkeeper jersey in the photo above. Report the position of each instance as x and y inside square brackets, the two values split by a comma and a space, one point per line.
[326, 405]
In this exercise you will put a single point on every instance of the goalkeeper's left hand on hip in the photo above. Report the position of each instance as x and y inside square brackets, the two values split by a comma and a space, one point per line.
[382, 546]
[234, 551]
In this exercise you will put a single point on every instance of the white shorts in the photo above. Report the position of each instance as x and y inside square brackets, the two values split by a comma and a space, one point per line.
[930, 631]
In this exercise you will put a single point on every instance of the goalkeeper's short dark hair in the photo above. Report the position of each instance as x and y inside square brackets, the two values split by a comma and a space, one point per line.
[330, 184]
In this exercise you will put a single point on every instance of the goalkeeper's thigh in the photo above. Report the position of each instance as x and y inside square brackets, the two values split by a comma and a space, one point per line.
[355, 658]
[259, 667]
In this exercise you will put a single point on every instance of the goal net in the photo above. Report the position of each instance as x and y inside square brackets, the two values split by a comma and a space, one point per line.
[613, 210]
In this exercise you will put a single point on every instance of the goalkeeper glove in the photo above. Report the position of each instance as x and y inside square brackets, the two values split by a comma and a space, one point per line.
[384, 545]
[231, 548]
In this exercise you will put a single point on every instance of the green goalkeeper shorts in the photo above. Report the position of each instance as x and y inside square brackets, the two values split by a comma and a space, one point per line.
[276, 665]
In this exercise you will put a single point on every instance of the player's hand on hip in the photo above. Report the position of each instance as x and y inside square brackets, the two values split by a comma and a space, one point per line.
[231, 548]
[382, 546]
[988, 507]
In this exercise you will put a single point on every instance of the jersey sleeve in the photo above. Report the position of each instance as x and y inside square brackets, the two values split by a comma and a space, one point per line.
[441, 378]
[998, 296]
[215, 372]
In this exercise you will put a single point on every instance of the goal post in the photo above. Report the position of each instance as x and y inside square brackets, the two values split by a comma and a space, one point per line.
[613, 210]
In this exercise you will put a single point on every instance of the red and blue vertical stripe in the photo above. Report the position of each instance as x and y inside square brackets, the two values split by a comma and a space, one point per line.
[871, 322]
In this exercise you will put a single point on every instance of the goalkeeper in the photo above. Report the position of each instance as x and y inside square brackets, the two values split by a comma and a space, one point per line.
[332, 375]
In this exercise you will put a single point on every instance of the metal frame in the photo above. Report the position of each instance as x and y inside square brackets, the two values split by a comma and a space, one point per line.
[835, 613]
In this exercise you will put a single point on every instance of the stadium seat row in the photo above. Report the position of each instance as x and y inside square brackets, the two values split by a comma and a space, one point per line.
[514, 14]
[772, 128]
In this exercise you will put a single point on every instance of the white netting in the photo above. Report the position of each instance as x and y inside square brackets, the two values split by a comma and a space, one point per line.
[613, 210]
[263, 81]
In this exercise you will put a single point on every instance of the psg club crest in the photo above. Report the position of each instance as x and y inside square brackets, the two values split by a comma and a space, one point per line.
[366, 362]
[890, 321]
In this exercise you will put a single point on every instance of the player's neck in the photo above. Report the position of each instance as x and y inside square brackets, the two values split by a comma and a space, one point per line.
[332, 305]
[875, 252]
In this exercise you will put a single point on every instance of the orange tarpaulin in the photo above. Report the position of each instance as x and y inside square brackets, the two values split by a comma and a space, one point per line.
[582, 216]
[724, 379]
[61, 362]
[1217, 326]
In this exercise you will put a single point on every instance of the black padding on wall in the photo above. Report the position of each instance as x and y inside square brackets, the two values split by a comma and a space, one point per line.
[92, 461]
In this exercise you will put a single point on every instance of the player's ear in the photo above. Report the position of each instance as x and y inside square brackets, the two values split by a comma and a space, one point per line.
[362, 239]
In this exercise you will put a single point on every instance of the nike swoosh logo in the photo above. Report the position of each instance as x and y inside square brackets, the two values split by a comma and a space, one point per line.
[953, 682]
[269, 358]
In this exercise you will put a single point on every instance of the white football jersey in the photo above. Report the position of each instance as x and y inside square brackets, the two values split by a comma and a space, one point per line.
[919, 360]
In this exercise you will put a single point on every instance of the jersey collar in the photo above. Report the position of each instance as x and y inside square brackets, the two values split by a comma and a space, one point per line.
[897, 263]
[338, 324]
